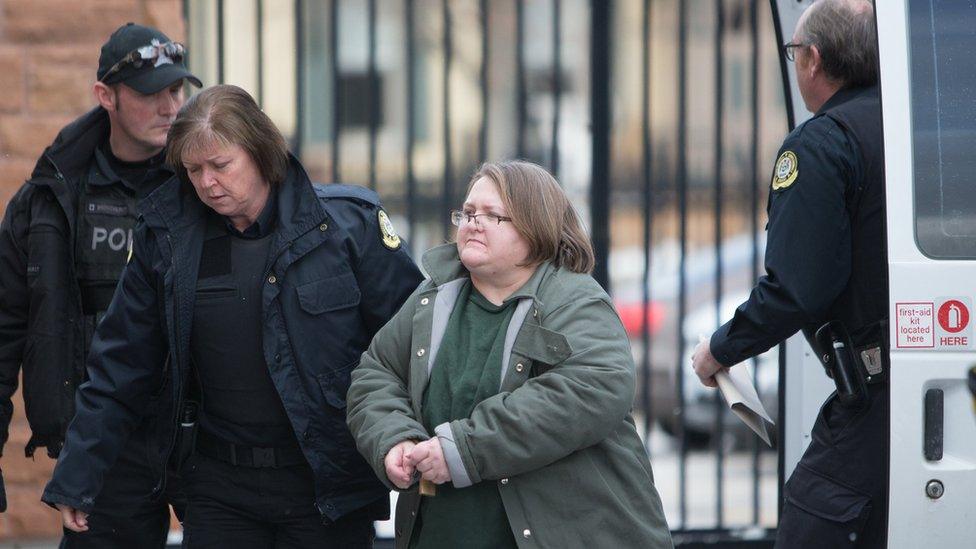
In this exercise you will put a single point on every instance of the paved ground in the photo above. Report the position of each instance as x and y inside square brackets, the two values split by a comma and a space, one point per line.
[702, 488]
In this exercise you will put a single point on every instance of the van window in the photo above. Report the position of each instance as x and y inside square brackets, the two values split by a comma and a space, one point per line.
[943, 42]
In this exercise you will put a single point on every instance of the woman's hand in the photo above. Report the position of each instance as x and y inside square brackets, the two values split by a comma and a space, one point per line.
[399, 469]
[73, 519]
[428, 458]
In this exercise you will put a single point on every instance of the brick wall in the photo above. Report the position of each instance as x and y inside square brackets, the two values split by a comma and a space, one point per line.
[48, 57]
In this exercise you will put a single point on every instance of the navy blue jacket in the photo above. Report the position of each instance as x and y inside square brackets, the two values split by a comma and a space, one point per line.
[331, 283]
[826, 253]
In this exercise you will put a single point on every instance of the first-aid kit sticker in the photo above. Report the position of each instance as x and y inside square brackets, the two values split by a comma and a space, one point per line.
[945, 324]
[953, 323]
[915, 325]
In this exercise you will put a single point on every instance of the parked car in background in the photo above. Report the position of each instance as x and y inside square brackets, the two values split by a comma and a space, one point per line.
[699, 403]
[661, 313]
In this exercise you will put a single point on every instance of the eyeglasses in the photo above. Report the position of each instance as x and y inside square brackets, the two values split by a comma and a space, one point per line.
[460, 218]
[789, 50]
[156, 53]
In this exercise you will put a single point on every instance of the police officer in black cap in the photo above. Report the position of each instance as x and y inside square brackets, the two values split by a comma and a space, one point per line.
[826, 274]
[63, 244]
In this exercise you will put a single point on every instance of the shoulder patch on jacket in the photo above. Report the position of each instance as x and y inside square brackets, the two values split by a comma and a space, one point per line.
[348, 192]
[390, 238]
[786, 171]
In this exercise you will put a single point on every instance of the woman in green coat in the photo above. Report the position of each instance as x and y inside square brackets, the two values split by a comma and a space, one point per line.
[507, 381]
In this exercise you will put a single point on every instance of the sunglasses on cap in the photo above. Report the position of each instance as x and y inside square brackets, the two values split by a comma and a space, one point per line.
[155, 53]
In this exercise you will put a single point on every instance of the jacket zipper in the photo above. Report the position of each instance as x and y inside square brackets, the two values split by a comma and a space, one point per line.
[177, 368]
[77, 318]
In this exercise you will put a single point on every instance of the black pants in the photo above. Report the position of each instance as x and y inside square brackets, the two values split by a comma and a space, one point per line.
[125, 516]
[244, 508]
[838, 494]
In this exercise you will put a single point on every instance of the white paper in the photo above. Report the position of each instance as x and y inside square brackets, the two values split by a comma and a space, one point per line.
[740, 394]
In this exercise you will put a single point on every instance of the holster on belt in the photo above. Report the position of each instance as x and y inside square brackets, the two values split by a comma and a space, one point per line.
[838, 358]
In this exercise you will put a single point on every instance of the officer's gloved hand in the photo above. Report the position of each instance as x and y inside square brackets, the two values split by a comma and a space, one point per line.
[3, 494]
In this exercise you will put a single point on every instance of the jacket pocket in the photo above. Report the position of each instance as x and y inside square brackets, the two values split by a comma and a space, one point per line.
[544, 347]
[203, 294]
[836, 421]
[328, 294]
[335, 384]
[819, 508]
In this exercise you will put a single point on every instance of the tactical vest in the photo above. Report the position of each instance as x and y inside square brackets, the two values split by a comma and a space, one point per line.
[863, 306]
[240, 401]
[106, 217]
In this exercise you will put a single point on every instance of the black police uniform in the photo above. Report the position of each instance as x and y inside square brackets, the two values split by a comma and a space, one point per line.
[235, 500]
[826, 260]
[333, 273]
[63, 245]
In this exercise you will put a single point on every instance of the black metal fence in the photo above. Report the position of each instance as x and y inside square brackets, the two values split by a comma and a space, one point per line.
[658, 116]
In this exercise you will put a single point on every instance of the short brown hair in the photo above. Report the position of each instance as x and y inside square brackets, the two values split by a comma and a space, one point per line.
[228, 115]
[541, 213]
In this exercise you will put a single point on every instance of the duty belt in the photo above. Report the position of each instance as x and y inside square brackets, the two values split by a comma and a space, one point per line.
[851, 367]
[215, 447]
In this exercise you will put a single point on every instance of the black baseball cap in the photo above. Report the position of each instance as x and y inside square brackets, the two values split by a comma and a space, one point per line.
[152, 74]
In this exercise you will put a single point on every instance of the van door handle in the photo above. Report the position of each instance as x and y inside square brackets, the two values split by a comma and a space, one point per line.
[934, 423]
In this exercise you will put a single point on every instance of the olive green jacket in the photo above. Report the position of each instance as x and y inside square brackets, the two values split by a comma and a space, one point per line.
[558, 438]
